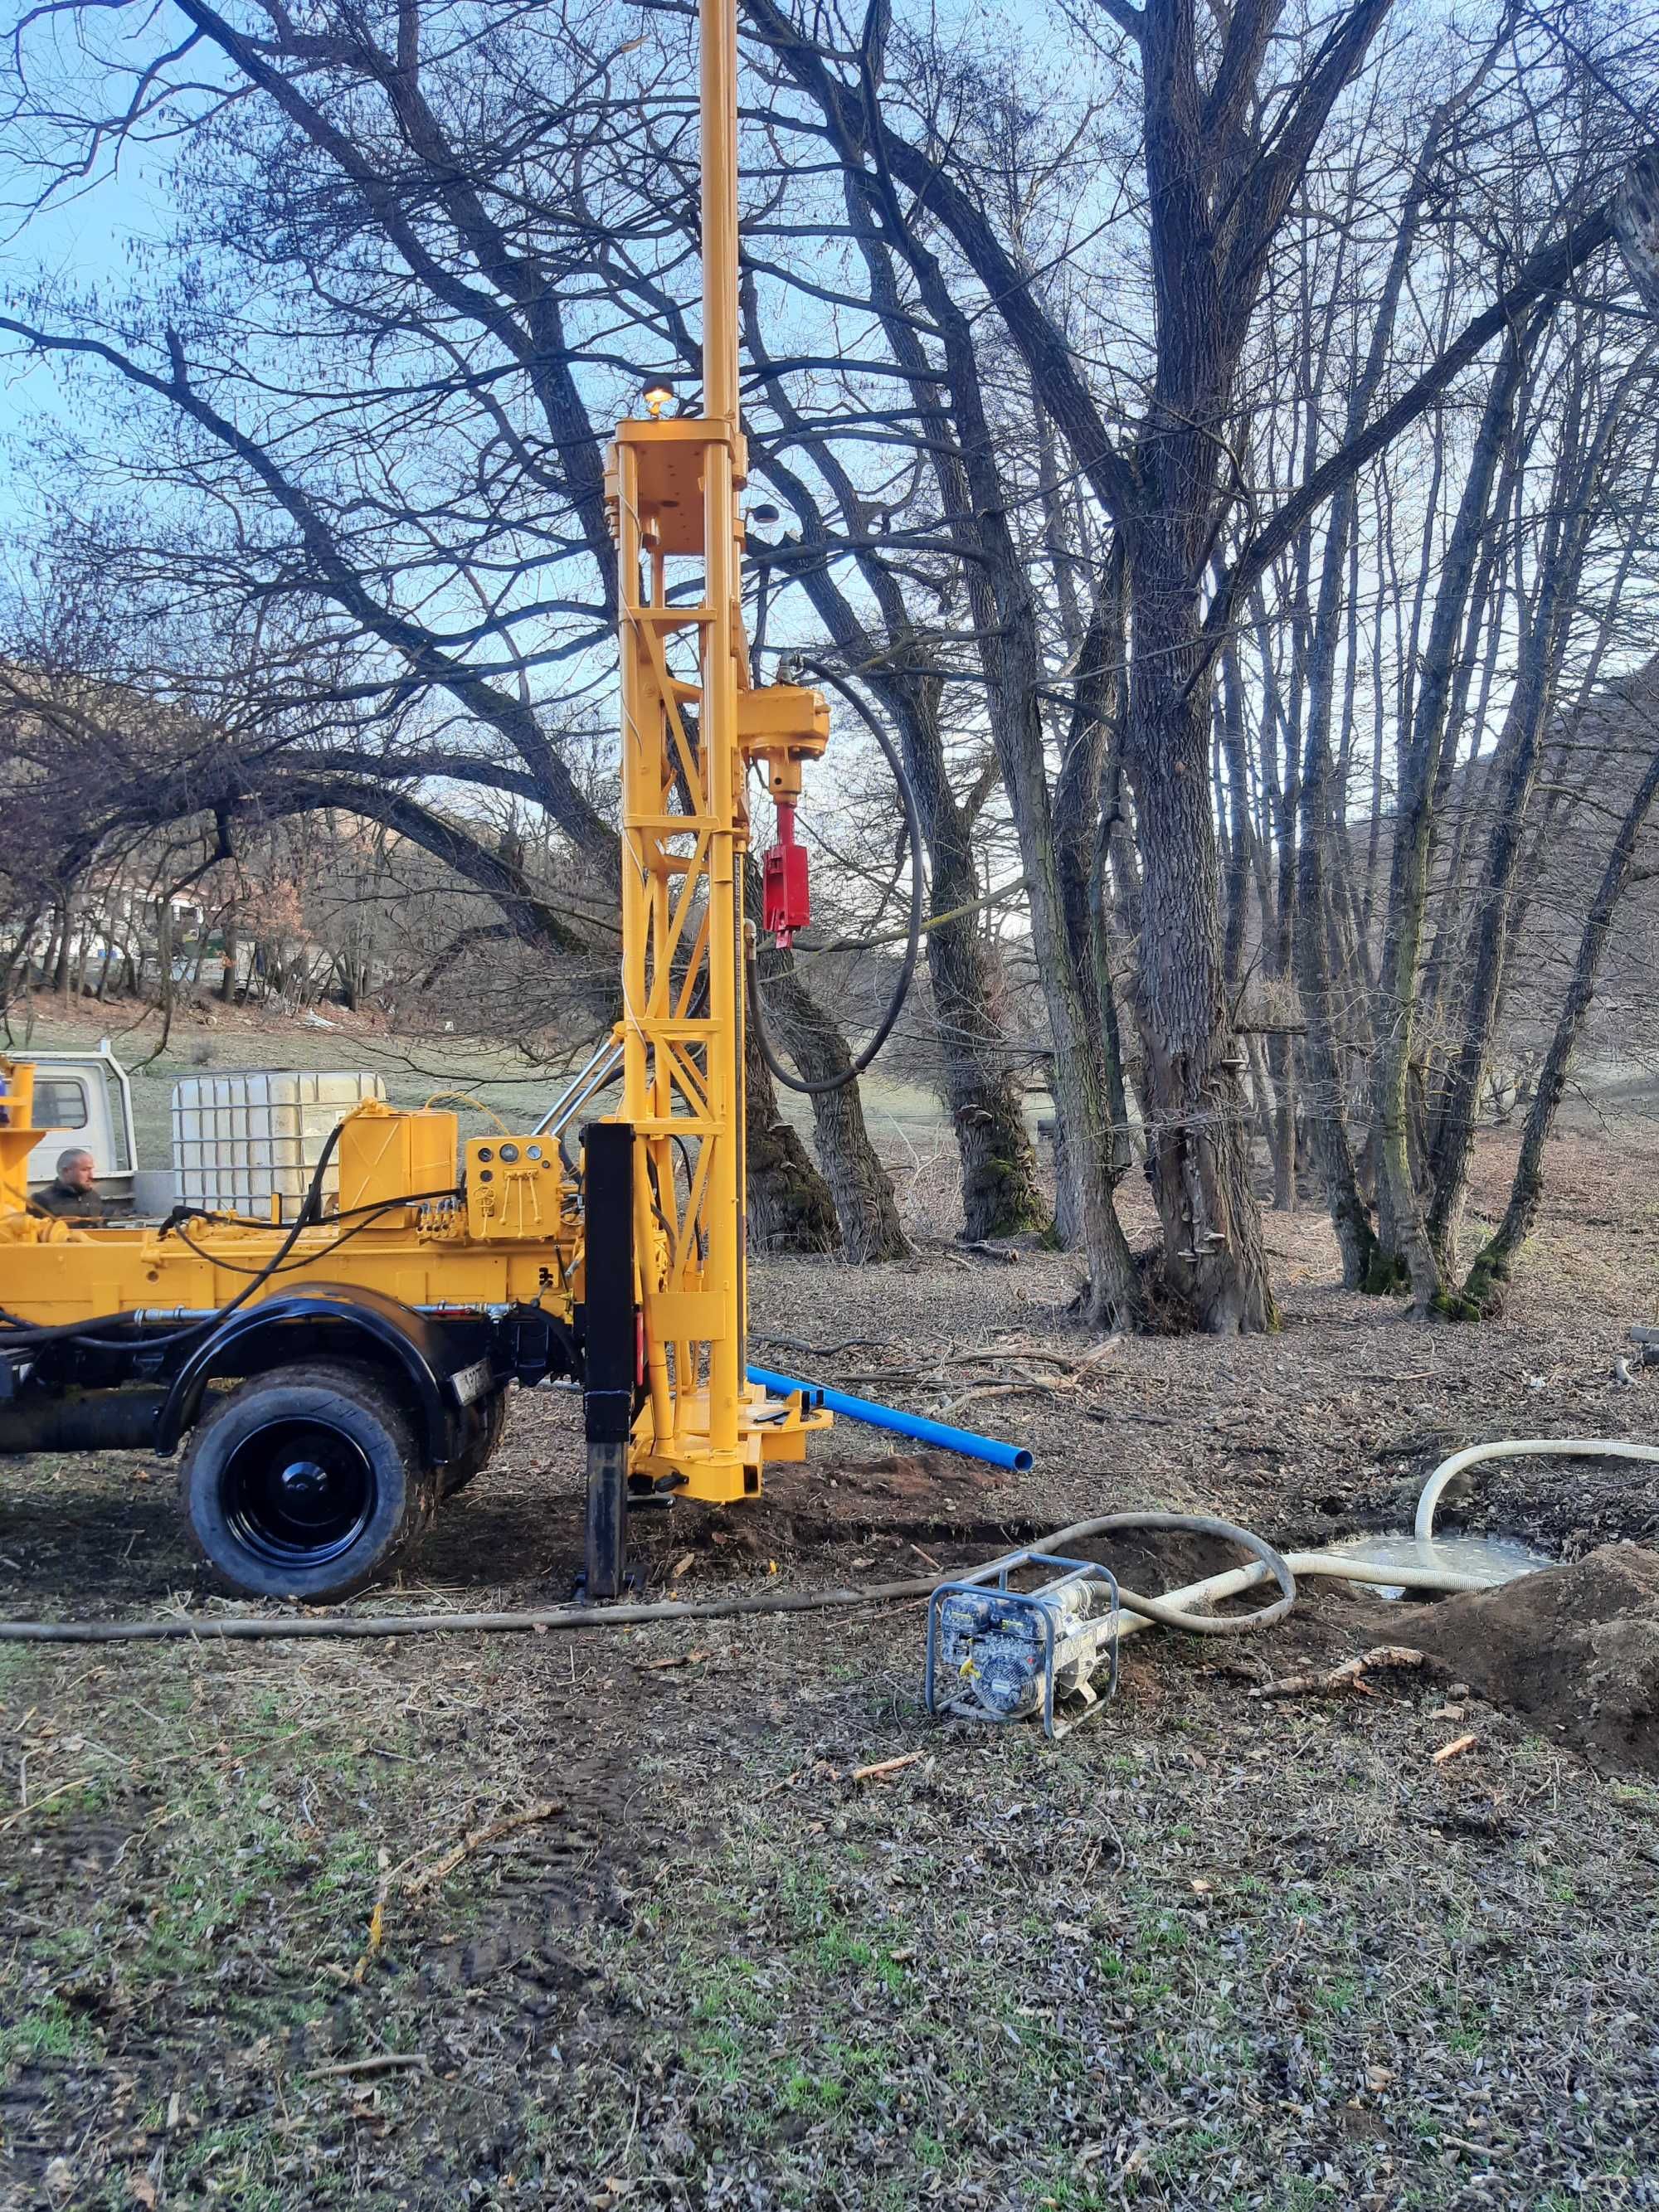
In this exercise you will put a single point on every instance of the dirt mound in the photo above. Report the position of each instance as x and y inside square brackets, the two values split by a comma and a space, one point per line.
[1575, 1648]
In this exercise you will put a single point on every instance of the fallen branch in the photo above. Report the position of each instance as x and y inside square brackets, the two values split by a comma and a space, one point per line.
[824, 1351]
[1346, 1680]
[884, 1767]
[383, 2062]
[982, 1391]
[420, 1885]
[23, 1811]
[1459, 1743]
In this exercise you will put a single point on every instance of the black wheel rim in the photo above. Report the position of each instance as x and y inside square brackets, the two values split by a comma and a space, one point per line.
[299, 1493]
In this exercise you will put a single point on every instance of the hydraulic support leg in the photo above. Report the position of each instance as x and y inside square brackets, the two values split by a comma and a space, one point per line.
[611, 1336]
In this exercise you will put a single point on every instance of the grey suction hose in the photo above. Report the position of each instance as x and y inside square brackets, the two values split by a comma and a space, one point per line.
[1526, 1447]
[1169, 1613]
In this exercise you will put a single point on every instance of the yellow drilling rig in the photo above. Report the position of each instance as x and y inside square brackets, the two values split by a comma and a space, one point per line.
[330, 1379]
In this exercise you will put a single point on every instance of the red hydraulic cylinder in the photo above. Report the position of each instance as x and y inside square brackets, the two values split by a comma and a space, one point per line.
[786, 901]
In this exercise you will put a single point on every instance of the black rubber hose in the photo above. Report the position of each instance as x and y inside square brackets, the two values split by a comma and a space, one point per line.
[263, 1627]
[913, 943]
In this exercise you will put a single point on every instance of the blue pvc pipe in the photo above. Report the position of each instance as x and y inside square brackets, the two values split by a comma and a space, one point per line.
[939, 1434]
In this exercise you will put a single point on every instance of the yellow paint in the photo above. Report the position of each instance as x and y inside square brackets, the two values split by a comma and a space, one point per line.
[18, 1137]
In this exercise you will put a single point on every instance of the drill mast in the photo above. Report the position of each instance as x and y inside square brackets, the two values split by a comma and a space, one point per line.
[687, 744]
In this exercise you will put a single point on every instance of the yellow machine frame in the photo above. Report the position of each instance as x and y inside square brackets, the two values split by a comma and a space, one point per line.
[516, 1236]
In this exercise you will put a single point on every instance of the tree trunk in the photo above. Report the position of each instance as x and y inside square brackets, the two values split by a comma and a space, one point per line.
[1006, 624]
[789, 1205]
[1402, 1230]
[1001, 1193]
[1090, 768]
[1509, 784]
[1483, 1288]
[1199, 1157]
[60, 955]
[858, 1185]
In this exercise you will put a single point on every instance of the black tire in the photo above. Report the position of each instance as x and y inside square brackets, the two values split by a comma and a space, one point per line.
[483, 1423]
[304, 1483]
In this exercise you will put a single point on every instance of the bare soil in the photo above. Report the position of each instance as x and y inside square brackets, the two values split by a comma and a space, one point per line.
[1209, 1951]
[1575, 1648]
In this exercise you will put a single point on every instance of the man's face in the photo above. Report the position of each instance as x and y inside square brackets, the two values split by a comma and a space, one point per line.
[78, 1173]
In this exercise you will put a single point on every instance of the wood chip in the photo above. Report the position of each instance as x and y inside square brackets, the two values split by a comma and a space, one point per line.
[684, 1659]
[884, 1767]
[1459, 1743]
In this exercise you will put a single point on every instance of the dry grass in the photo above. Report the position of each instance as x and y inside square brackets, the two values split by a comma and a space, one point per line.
[1209, 1952]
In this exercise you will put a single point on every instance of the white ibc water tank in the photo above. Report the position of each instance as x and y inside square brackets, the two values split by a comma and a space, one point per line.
[240, 1141]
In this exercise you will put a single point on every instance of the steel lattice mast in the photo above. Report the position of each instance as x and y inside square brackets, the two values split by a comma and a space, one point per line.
[687, 744]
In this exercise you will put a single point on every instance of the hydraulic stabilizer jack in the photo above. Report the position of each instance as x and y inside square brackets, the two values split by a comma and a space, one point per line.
[612, 1378]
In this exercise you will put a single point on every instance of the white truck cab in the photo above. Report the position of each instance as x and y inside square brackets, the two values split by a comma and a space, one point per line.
[83, 1099]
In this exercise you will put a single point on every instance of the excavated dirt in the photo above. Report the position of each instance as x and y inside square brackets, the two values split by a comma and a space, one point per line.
[1575, 1648]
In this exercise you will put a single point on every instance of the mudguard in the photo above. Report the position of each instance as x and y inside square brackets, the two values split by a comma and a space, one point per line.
[325, 1320]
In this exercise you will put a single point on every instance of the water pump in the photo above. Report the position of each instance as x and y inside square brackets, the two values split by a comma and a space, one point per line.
[999, 1654]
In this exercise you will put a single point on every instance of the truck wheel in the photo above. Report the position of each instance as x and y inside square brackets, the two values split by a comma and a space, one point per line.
[305, 1483]
[484, 1423]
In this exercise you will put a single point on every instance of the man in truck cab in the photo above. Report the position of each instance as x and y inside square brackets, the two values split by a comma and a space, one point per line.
[74, 1196]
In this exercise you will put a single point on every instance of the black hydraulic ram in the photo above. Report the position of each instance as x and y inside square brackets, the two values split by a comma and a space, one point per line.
[611, 1331]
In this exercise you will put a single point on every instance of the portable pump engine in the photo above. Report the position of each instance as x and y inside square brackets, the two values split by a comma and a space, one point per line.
[995, 1653]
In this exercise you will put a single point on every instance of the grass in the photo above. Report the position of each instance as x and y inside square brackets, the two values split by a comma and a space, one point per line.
[48, 2032]
[1196, 1956]
[896, 1993]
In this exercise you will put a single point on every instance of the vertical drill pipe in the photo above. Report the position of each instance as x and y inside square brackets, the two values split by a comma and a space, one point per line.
[718, 105]
[640, 745]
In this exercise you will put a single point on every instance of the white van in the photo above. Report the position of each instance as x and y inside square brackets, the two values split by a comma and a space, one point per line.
[83, 1099]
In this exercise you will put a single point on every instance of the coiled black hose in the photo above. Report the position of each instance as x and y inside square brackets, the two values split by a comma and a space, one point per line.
[815, 1087]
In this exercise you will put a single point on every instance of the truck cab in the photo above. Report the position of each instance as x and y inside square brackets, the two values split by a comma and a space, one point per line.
[83, 1099]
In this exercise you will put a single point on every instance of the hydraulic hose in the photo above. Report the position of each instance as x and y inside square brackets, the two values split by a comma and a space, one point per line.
[816, 1087]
